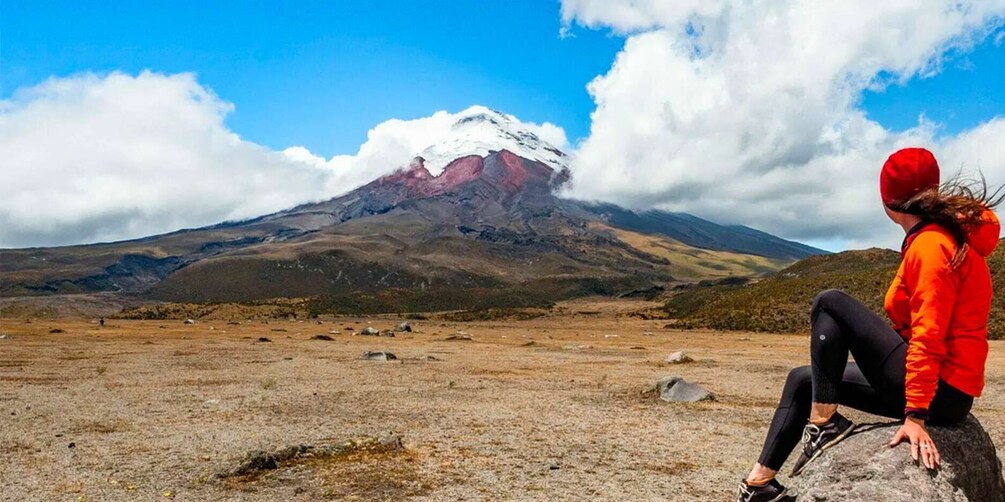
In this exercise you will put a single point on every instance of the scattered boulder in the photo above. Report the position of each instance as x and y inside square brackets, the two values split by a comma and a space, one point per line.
[378, 356]
[348, 328]
[679, 357]
[369, 331]
[387, 333]
[464, 337]
[189, 321]
[528, 344]
[403, 328]
[576, 347]
[863, 467]
[676, 389]
[56, 331]
[263, 339]
[322, 337]
[5, 337]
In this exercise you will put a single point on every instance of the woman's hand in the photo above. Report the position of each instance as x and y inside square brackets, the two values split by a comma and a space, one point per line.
[921, 443]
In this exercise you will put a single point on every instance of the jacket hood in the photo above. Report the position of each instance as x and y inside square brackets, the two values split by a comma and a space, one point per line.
[983, 237]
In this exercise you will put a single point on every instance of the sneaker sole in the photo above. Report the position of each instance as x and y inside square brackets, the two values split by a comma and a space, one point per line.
[825, 448]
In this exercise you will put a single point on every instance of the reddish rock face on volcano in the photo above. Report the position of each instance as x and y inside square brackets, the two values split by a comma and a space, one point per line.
[504, 170]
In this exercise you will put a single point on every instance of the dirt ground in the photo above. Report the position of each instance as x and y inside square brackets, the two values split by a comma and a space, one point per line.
[151, 410]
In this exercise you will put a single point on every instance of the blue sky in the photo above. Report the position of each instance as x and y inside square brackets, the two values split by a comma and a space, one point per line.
[321, 74]
[968, 91]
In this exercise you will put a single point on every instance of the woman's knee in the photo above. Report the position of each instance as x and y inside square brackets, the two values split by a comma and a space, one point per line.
[799, 381]
[827, 299]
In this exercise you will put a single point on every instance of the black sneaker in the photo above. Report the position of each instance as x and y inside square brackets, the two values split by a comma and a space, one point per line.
[773, 491]
[817, 438]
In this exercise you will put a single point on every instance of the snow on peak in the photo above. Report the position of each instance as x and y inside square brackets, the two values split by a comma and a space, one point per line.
[438, 139]
[479, 130]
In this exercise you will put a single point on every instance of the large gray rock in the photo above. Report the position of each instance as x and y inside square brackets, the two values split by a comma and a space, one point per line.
[863, 467]
[676, 389]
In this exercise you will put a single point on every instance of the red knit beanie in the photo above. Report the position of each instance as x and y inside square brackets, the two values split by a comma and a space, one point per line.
[906, 173]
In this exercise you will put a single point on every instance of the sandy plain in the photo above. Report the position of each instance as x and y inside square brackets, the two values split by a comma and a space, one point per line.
[156, 410]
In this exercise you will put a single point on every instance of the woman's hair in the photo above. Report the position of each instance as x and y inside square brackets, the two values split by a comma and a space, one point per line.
[955, 205]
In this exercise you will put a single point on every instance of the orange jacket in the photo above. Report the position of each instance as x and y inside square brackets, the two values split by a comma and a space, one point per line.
[941, 308]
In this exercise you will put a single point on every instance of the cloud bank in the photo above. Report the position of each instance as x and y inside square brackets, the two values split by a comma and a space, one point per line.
[747, 112]
[91, 158]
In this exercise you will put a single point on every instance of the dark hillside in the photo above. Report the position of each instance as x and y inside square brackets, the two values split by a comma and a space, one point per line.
[781, 302]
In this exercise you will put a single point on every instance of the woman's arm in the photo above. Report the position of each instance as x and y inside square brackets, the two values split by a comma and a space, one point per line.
[932, 284]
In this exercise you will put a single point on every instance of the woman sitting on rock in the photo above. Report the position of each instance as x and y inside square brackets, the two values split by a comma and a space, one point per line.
[927, 366]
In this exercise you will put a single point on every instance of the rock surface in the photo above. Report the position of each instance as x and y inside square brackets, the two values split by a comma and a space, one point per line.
[676, 389]
[678, 357]
[378, 356]
[862, 468]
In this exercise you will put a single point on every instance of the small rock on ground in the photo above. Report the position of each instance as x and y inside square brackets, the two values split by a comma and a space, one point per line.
[378, 356]
[679, 357]
[676, 389]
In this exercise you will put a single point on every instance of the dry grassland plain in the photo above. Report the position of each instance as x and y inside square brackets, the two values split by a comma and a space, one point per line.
[553, 408]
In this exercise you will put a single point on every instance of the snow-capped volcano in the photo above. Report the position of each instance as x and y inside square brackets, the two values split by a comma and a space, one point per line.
[438, 139]
[479, 130]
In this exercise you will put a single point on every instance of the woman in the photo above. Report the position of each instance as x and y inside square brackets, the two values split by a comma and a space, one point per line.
[925, 367]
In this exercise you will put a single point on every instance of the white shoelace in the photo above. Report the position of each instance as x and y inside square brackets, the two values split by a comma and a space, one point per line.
[808, 436]
[745, 494]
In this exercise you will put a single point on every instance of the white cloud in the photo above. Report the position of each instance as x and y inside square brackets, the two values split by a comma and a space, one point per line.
[93, 158]
[746, 112]
[439, 138]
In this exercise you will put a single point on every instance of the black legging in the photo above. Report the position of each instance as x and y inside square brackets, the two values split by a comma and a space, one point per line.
[874, 383]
